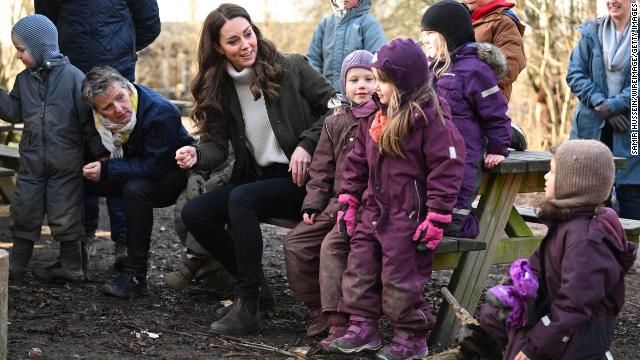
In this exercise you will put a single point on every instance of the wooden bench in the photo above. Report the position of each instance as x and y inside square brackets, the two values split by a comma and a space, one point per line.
[9, 156]
[448, 245]
[631, 227]
[7, 183]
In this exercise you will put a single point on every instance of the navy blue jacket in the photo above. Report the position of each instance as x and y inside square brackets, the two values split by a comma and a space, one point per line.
[151, 149]
[103, 32]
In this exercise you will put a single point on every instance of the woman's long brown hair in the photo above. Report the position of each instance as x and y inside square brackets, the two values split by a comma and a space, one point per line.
[207, 84]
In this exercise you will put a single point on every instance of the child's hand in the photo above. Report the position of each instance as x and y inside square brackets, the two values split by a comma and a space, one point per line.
[492, 160]
[309, 218]
[91, 171]
[521, 356]
[186, 157]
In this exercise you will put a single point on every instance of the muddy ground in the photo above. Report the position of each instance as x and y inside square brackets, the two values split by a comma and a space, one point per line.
[65, 321]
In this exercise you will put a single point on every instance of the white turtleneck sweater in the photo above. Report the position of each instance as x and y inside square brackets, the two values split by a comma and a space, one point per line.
[261, 141]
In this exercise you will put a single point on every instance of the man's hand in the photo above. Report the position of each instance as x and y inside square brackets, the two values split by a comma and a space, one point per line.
[186, 157]
[299, 166]
[91, 171]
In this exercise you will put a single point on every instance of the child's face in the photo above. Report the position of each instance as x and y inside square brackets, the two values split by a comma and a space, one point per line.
[385, 90]
[359, 84]
[473, 4]
[433, 43]
[550, 181]
[116, 105]
[347, 4]
[22, 53]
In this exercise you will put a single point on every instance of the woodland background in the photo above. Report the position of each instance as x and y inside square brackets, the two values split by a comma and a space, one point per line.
[541, 102]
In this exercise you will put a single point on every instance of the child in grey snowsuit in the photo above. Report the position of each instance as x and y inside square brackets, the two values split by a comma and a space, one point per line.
[46, 98]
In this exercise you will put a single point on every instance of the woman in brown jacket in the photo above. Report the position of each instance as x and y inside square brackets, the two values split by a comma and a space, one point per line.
[270, 106]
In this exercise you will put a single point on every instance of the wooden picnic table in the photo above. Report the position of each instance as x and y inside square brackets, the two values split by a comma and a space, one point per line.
[521, 172]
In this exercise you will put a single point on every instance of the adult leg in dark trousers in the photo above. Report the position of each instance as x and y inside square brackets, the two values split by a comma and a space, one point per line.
[139, 197]
[241, 206]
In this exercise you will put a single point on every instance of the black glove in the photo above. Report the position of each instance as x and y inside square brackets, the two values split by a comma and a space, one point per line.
[602, 110]
[475, 343]
[618, 122]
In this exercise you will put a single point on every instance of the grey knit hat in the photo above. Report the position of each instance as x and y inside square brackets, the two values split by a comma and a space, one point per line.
[357, 59]
[584, 173]
[39, 36]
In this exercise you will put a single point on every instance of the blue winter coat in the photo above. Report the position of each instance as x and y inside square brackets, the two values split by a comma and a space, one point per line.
[587, 79]
[151, 148]
[103, 32]
[338, 36]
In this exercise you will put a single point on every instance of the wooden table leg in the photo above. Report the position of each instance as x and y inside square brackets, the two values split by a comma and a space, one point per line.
[4, 301]
[468, 279]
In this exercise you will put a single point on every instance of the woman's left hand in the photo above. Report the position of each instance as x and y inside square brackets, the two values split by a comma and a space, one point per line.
[521, 356]
[299, 166]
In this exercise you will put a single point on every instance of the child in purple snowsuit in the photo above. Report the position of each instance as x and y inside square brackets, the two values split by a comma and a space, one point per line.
[580, 264]
[465, 75]
[315, 251]
[405, 170]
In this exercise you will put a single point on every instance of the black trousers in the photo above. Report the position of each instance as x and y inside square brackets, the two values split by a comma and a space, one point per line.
[242, 206]
[139, 197]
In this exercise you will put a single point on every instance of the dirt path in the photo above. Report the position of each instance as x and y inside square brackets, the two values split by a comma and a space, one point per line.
[78, 322]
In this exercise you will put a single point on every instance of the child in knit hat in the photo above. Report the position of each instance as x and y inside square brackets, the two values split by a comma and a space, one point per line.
[403, 174]
[349, 27]
[46, 98]
[580, 265]
[315, 251]
[466, 76]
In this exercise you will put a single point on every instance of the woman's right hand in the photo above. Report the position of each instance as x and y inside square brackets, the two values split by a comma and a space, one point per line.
[186, 157]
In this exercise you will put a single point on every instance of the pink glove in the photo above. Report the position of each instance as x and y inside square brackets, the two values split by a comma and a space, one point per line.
[347, 215]
[429, 233]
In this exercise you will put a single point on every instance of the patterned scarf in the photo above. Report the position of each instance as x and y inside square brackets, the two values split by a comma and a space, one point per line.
[115, 135]
[379, 122]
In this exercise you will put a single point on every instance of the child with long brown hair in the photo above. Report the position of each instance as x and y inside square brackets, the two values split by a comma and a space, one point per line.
[405, 170]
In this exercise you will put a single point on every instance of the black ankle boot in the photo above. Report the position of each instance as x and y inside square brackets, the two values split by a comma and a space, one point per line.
[242, 319]
[128, 284]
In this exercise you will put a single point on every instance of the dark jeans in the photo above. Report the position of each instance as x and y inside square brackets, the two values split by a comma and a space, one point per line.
[139, 197]
[629, 200]
[116, 216]
[242, 206]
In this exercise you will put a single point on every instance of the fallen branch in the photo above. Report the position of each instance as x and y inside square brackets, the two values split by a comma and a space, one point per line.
[258, 346]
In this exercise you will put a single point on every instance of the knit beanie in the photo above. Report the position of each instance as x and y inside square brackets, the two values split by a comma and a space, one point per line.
[404, 62]
[452, 20]
[357, 59]
[39, 36]
[584, 173]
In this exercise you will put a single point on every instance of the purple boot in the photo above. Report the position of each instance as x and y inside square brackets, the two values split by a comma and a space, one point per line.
[405, 346]
[362, 334]
[339, 324]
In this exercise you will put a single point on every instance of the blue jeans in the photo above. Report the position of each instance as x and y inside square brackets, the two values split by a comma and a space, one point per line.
[116, 216]
[629, 200]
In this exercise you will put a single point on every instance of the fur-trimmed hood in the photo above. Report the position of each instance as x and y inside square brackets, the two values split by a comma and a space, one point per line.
[486, 52]
[493, 56]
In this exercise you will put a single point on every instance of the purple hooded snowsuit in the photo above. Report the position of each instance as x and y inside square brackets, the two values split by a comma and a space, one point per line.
[585, 260]
[384, 271]
[479, 110]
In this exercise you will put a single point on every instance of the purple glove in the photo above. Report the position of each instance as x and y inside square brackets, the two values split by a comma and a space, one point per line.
[430, 231]
[346, 218]
[516, 296]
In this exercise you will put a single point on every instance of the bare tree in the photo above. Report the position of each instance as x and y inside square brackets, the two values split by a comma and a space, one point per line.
[9, 65]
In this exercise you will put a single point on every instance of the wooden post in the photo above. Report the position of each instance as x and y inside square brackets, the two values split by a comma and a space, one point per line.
[4, 299]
